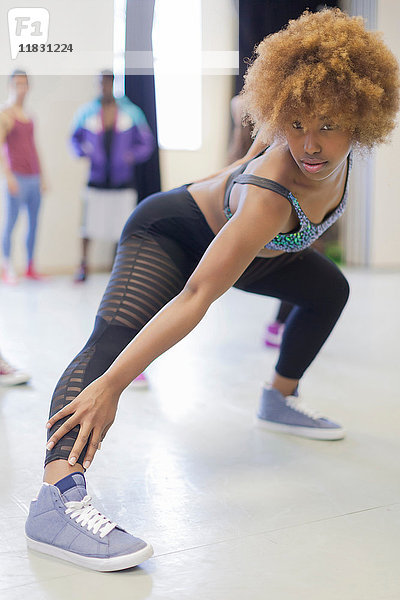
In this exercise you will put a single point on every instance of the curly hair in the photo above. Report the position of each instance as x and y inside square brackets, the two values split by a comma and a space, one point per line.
[324, 64]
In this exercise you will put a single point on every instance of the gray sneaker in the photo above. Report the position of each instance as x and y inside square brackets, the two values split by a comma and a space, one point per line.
[63, 523]
[289, 415]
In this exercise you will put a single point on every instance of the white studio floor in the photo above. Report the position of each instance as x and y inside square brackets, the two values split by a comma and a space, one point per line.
[233, 512]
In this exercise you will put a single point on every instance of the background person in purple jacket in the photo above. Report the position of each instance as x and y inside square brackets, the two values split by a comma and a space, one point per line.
[113, 133]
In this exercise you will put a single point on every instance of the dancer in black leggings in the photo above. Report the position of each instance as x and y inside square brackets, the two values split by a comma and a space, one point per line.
[249, 226]
[160, 248]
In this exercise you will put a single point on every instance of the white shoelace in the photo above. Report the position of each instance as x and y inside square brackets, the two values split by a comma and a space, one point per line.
[297, 405]
[85, 514]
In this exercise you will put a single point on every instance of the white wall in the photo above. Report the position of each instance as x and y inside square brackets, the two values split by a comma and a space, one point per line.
[372, 223]
[54, 98]
[220, 32]
[385, 233]
[380, 245]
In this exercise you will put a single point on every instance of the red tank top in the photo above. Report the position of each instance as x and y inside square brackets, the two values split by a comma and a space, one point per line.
[21, 150]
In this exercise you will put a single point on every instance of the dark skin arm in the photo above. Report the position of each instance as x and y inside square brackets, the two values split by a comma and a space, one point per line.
[261, 214]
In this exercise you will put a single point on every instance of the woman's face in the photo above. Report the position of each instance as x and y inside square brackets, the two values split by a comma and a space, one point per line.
[19, 87]
[317, 146]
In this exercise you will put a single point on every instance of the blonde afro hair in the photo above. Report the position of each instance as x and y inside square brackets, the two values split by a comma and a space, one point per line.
[324, 64]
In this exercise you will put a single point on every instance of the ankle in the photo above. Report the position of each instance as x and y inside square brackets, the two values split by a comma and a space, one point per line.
[284, 385]
[7, 265]
[58, 469]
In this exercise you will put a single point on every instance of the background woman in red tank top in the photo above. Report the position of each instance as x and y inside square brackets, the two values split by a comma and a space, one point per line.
[21, 166]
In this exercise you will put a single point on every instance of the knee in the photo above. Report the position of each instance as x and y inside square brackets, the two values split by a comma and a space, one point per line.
[341, 290]
[330, 297]
[337, 295]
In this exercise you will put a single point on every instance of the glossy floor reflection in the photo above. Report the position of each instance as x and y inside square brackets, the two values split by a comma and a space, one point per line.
[233, 512]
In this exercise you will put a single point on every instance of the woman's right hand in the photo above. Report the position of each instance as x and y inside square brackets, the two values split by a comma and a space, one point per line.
[94, 411]
[12, 184]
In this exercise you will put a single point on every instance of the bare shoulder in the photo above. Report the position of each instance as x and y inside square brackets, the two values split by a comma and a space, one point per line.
[276, 163]
[262, 204]
[273, 164]
[6, 119]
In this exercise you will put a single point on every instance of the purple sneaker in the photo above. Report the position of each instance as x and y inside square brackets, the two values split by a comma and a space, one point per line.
[290, 415]
[273, 334]
[63, 523]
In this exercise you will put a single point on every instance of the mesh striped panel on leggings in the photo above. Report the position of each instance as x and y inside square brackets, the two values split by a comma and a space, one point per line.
[143, 280]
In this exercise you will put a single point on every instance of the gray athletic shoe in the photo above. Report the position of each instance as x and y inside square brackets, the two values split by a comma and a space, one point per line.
[63, 523]
[289, 415]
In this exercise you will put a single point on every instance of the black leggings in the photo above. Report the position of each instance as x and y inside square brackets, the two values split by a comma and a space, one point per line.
[160, 247]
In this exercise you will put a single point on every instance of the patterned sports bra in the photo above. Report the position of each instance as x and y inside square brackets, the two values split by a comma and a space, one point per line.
[307, 231]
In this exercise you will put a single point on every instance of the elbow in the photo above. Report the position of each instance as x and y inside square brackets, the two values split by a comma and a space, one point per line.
[198, 296]
[190, 291]
[192, 287]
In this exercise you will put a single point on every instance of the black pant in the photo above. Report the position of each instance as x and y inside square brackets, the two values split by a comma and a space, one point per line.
[160, 247]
